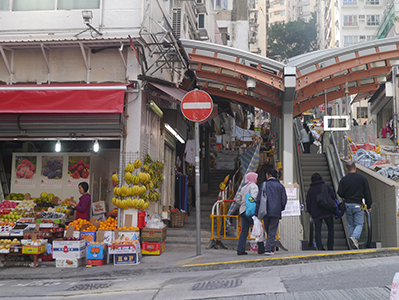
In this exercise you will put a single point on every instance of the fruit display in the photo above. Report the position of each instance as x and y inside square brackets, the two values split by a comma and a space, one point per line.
[15, 196]
[7, 206]
[123, 241]
[139, 188]
[26, 168]
[37, 242]
[109, 224]
[12, 216]
[80, 169]
[78, 224]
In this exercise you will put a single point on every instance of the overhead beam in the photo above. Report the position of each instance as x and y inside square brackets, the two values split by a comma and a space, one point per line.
[3, 54]
[320, 86]
[304, 80]
[313, 102]
[263, 76]
[260, 89]
[273, 109]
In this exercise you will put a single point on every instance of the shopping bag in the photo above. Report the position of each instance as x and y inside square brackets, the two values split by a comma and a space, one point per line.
[250, 205]
[258, 231]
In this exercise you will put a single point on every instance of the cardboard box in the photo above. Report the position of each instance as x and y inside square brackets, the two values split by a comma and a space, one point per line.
[131, 234]
[153, 248]
[26, 249]
[124, 249]
[96, 262]
[153, 234]
[69, 249]
[97, 251]
[68, 262]
[88, 236]
[127, 259]
[105, 236]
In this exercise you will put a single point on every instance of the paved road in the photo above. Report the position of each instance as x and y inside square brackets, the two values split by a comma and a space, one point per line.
[350, 279]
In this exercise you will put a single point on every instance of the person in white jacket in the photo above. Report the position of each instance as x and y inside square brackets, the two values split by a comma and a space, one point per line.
[252, 188]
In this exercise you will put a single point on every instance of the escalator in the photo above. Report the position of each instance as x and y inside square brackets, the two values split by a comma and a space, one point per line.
[330, 167]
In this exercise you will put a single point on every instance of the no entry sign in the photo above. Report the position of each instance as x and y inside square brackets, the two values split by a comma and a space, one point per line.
[197, 105]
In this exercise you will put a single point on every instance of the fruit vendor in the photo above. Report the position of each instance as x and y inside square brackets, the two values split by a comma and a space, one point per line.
[83, 207]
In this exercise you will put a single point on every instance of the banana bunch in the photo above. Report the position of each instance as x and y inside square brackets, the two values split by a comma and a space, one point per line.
[154, 196]
[144, 177]
[117, 191]
[158, 175]
[128, 177]
[157, 165]
[148, 159]
[140, 204]
[136, 190]
[135, 179]
[123, 191]
[115, 178]
[144, 196]
[137, 163]
[129, 167]
[149, 185]
[146, 167]
[129, 191]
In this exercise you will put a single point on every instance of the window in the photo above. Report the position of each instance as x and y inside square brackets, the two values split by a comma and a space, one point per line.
[201, 20]
[271, 4]
[23, 5]
[350, 40]
[282, 13]
[78, 4]
[373, 20]
[362, 112]
[4, 4]
[271, 15]
[370, 38]
[350, 2]
[350, 21]
[372, 2]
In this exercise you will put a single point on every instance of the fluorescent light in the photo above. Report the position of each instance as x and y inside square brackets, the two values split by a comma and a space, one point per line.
[175, 134]
[155, 108]
[58, 146]
[96, 146]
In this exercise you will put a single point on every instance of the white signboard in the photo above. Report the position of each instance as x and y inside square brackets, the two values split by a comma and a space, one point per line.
[291, 193]
[292, 208]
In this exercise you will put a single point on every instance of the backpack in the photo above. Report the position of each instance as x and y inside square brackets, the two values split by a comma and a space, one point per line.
[325, 201]
[311, 138]
[250, 204]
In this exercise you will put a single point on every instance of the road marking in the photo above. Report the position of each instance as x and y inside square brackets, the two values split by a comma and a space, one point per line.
[293, 257]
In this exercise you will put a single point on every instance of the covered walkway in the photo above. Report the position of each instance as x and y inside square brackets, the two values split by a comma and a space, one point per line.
[287, 89]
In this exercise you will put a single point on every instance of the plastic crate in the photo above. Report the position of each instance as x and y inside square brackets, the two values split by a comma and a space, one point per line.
[177, 219]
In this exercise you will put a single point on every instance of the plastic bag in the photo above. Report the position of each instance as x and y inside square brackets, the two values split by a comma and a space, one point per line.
[155, 222]
[258, 231]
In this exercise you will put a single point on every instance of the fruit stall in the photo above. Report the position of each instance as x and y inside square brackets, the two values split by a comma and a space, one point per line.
[42, 227]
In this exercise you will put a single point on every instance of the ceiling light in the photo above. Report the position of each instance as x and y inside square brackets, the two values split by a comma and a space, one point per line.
[58, 146]
[96, 146]
[175, 134]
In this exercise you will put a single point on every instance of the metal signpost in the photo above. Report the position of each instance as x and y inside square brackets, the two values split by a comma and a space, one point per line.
[196, 106]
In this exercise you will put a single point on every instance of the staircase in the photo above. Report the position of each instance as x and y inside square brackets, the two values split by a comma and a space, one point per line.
[317, 163]
[185, 238]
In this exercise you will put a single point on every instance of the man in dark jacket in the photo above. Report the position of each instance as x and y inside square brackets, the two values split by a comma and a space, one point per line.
[353, 188]
[318, 213]
[275, 204]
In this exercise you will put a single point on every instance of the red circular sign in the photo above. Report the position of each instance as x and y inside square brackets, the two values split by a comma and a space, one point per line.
[196, 105]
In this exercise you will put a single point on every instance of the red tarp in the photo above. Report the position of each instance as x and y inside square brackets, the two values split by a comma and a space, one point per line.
[72, 98]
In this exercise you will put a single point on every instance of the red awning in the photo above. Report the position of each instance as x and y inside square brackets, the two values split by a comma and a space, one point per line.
[66, 98]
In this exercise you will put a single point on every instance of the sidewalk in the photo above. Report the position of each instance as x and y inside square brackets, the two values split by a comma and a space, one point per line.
[186, 260]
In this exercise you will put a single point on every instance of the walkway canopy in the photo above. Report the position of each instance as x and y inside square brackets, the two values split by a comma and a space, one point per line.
[223, 71]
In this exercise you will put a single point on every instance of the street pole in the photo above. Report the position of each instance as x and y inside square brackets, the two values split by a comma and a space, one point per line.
[197, 188]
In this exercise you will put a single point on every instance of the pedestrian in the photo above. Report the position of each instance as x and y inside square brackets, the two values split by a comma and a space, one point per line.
[305, 139]
[353, 188]
[318, 213]
[252, 188]
[272, 194]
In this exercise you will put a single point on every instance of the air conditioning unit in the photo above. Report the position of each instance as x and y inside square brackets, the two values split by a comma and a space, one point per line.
[177, 21]
[362, 17]
[200, 2]
[203, 34]
[254, 33]
[252, 40]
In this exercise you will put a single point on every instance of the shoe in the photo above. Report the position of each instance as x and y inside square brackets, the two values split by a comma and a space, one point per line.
[321, 249]
[261, 252]
[353, 242]
[241, 253]
[269, 253]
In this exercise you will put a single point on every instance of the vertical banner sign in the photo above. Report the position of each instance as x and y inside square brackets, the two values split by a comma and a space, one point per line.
[196, 106]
